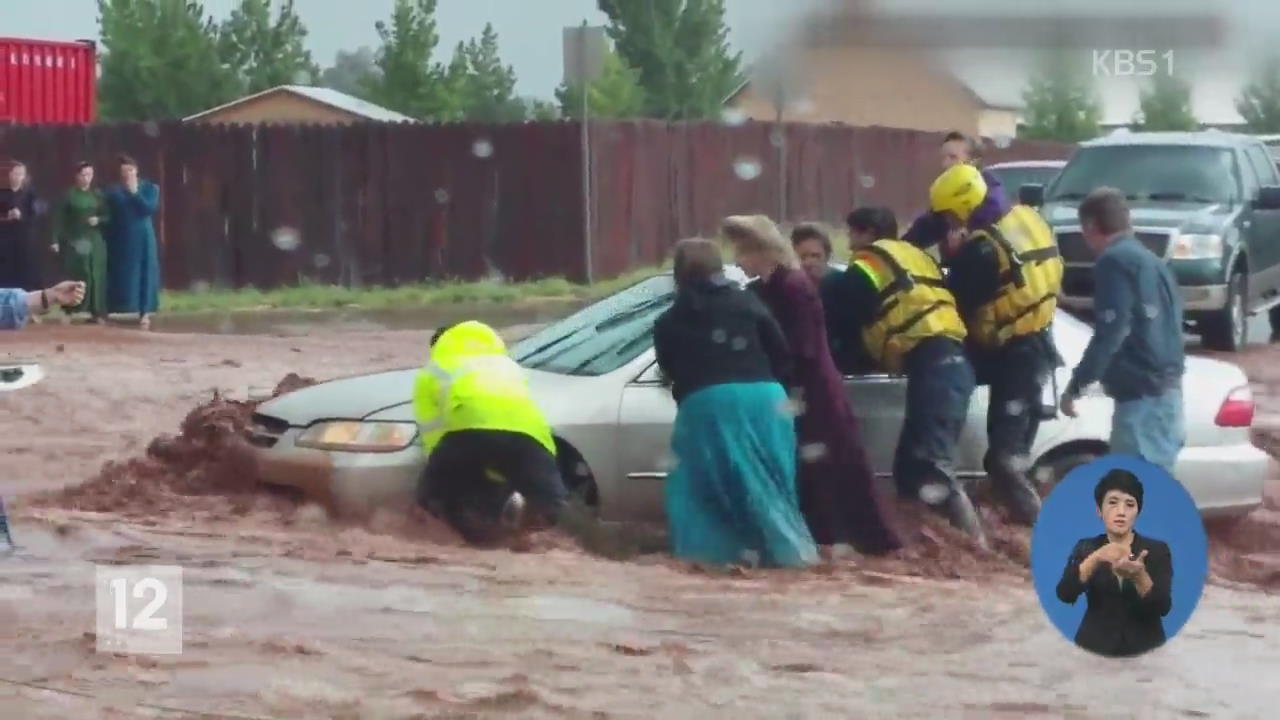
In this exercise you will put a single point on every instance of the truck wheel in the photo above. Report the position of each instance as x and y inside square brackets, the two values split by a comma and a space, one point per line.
[1228, 329]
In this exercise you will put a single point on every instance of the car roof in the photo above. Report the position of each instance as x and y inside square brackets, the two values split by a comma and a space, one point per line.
[1028, 164]
[1204, 138]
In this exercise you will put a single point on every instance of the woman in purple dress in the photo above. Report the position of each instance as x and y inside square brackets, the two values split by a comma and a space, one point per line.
[838, 493]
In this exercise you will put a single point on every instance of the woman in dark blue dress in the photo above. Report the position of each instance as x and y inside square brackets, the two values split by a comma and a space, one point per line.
[133, 262]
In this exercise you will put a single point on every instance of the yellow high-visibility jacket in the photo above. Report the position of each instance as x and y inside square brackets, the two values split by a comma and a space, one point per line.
[1030, 278]
[915, 303]
[471, 384]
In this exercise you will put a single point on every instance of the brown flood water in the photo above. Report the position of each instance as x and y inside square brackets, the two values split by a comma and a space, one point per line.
[289, 613]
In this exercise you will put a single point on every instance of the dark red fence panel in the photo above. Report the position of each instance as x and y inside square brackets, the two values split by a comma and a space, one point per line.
[654, 183]
[389, 204]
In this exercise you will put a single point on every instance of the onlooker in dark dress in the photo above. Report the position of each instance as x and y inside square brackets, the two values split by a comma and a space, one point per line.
[18, 210]
[838, 493]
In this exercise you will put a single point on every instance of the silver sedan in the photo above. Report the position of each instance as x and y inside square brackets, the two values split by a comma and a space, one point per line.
[353, 441]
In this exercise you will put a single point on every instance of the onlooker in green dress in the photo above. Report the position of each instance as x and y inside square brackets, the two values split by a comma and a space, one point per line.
[77, 223]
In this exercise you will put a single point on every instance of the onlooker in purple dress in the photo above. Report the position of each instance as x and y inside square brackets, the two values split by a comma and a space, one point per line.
[838, 493]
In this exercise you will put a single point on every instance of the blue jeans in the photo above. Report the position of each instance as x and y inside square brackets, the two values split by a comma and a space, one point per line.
[1150, 427]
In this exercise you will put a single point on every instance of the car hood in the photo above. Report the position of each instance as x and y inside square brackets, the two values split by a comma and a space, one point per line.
[565, 399]
[352, 398]
[1190, 217]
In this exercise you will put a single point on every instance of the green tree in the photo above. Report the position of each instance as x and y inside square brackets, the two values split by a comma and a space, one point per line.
[1259, 103]
[1060, 102]
[537, 110]
[616, 93]
[159, 60]
[351, 72]
[481, 88]
[1166, 105]
[680, 49]
[408, 80]
[266, 53]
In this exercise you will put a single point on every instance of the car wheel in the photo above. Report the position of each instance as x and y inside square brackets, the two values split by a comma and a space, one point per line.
[1228, 329]
[1049, 472]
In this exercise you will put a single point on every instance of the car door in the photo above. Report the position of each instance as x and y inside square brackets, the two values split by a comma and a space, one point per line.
[645, 417]
[880, 401]
[1261, 229]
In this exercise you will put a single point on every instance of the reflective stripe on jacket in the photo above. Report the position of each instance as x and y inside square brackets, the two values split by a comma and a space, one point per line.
[1030, 278]
[915, 303]
[471, 384]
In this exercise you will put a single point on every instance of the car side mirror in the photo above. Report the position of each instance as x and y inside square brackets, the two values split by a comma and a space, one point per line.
[1031, 194]
[1268, 198]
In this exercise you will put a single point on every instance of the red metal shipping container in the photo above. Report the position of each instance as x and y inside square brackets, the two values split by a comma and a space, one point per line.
[48, 82]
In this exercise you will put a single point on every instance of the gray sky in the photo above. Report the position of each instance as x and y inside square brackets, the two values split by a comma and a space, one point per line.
[529, 32]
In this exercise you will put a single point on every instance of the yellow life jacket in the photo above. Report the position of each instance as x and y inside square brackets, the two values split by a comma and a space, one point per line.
[471, 384]
[1030, 278]
[915, 303]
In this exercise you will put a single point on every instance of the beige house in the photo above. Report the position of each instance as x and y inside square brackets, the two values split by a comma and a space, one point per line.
[298, 104]
[892, 87]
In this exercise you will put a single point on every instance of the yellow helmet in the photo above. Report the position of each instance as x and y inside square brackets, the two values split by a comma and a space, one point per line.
[959, 189]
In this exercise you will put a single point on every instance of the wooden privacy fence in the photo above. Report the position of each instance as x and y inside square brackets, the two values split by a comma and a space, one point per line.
[381, 204]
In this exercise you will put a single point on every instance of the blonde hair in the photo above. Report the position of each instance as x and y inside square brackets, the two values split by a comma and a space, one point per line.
[757, 233]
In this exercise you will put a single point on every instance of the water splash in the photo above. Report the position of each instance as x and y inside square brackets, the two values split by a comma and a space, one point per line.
[286, 238]
[747, 168]
[482, 148]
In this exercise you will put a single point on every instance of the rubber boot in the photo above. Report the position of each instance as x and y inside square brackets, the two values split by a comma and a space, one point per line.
[1015, 491]
[954, 504]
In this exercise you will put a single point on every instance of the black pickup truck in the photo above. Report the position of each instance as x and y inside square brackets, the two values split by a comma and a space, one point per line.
[1208, 202]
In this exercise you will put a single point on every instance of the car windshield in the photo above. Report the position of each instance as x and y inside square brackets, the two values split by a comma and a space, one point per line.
[1013, 178]
[601, 337]
[1188, 173]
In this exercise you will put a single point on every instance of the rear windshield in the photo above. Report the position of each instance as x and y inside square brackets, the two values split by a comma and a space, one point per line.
[1013, 178]
[1176, 173]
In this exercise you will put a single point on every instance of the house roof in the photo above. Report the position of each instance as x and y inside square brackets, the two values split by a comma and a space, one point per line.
[325, 96]
[964, 86]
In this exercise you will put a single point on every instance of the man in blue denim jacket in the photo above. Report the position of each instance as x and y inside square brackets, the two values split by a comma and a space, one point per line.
[17, 306]
[1137, 346]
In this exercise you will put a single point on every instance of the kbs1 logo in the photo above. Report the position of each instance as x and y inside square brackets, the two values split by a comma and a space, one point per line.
[1132, 63]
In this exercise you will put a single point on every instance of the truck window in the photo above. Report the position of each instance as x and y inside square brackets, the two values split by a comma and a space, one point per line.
[1262, 162]
[1195, 173]
[1252, 176]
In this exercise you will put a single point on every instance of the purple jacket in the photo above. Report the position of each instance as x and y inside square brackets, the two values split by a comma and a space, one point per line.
[930, 228]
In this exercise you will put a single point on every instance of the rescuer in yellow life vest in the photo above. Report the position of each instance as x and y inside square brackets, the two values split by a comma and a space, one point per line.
[489, 448]
[893, 296]
[1005, 276]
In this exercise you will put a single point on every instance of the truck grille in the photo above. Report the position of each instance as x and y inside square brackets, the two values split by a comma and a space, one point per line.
[265, 431]
[1074, 250]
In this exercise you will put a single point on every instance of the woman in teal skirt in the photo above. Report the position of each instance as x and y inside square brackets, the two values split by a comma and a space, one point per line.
[731, 496]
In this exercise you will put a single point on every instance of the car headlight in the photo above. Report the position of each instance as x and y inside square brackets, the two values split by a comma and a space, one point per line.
[357, 436]
[1195, 246]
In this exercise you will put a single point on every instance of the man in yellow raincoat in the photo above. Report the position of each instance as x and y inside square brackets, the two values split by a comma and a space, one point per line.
[490, 449]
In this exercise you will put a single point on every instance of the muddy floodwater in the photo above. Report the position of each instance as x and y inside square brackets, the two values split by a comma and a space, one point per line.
[290, 614]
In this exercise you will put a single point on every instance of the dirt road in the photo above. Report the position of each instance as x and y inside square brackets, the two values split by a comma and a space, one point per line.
[288, 614]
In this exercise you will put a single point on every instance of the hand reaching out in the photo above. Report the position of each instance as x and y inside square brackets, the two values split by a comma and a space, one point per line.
[68, 293]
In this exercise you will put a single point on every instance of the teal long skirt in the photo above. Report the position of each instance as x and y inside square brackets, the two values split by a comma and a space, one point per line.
[731, 495]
